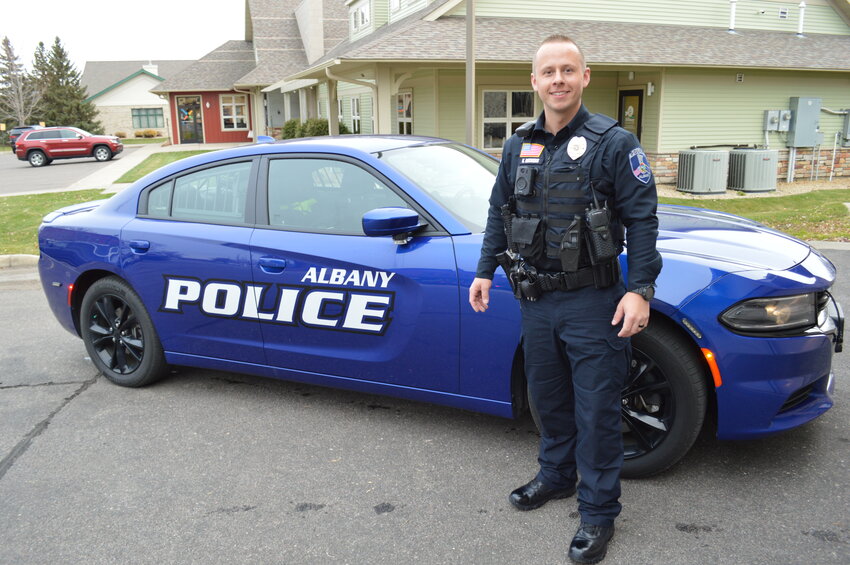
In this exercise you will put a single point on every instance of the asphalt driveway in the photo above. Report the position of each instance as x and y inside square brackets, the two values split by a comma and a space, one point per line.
[210, 467]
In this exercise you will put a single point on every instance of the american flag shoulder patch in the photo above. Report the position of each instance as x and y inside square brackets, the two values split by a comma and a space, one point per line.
[531, 150]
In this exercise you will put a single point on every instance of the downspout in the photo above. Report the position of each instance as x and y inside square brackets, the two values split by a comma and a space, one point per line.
[802, 7]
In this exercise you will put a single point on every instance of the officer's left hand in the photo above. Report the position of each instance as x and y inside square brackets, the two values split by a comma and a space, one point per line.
[633, 310]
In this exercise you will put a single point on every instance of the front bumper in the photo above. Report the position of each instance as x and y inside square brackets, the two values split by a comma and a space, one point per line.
[769, 383]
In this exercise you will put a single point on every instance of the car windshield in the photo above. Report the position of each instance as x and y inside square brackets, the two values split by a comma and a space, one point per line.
[457, 177]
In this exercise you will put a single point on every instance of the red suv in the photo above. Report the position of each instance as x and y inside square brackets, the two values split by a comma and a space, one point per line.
[41, 146]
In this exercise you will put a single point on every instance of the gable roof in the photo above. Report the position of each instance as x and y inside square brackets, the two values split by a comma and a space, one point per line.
[217, 70]
[444, 40]
[276, 36]
[101, 76]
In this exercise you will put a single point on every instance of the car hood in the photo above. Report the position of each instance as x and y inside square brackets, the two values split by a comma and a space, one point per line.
[734, 240]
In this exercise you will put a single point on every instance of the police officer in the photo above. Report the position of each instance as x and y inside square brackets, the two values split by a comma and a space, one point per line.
[570, 187]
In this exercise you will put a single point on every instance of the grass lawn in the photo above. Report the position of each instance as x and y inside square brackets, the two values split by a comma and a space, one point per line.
[20, 217]
[143, 140]
[820, 214]
[154, 162]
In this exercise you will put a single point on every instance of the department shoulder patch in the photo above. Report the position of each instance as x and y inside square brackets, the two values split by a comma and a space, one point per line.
[640, 165]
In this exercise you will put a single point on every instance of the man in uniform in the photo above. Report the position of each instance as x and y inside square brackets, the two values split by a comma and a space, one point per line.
[569, 188]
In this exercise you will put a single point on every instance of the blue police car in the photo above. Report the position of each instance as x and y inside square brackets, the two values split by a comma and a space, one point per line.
[345, 262]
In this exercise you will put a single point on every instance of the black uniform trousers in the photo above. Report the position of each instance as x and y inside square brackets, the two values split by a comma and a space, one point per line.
[576, 366]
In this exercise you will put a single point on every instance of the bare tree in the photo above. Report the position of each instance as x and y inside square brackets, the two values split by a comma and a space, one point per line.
[19, 92]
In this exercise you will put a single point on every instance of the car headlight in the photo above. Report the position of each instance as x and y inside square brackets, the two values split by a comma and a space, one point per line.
[772, 314]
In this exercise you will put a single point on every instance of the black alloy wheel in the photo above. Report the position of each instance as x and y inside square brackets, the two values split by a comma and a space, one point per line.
[119, 335]
[663, 402]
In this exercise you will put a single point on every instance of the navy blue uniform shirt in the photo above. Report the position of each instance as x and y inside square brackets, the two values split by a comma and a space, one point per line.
[632, 196]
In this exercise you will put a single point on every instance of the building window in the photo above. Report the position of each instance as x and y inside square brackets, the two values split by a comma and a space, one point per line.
[404, 111]
[234, 112]
[355, 115]
[504, 111]
[339, 110]
[360, 16]
[147, 118]
[395, 5]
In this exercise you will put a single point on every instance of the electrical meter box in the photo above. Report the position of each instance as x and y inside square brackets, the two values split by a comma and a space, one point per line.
[771, 120]
[805, 118]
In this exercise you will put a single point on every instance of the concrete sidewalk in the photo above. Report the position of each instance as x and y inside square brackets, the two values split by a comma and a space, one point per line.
[133, 155]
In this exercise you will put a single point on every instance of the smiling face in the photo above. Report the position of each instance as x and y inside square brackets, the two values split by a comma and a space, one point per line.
[559, 77]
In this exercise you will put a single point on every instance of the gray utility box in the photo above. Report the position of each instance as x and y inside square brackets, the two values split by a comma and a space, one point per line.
[702, 171]
[805, 122]
[753, 170]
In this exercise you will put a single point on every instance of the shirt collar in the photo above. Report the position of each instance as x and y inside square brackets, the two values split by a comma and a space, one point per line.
[568, 130]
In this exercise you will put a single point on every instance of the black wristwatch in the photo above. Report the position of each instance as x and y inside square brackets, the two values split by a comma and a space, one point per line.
[648, 292]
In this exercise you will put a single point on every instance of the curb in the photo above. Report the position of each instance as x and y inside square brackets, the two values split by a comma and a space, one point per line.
[18, 260]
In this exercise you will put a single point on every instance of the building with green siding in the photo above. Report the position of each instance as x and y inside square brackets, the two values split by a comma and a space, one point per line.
[679, 73]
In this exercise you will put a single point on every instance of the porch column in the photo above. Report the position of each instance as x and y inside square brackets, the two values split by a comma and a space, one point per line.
[383, 105]
[333, 108]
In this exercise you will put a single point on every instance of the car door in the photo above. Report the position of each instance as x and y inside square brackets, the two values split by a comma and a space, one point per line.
[74, 144]
[187, 254]
[51, 142]
[334, 302]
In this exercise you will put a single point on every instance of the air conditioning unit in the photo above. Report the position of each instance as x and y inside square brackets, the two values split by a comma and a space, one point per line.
[702, 171]
[753, 170]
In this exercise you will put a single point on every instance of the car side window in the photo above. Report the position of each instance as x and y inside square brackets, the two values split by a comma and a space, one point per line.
[159, 200]
[215, 194]
[69, 134]
[324, 195]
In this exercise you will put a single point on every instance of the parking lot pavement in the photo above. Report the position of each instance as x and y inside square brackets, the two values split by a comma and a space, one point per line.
[18, 177]
[210, 467]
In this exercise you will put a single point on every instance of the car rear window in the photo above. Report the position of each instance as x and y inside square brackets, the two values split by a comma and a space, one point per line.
[215, 194]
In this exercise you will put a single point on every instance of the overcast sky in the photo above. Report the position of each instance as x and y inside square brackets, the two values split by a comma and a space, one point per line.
[120, 30]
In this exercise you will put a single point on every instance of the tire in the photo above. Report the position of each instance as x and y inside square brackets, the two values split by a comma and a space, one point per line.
[38, 159]
[119, 334]
[664, 401]
[102, 153]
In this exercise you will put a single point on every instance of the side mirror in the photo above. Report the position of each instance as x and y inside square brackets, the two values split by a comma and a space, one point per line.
[79, 136]
[397, 222]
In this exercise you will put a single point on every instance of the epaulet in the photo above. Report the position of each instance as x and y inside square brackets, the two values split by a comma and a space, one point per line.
[600, 123]
[525, 129]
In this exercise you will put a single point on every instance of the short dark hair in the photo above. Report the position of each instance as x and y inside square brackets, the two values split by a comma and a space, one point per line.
[559, 38]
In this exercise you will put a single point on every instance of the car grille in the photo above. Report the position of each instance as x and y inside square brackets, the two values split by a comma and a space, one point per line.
[797, 398]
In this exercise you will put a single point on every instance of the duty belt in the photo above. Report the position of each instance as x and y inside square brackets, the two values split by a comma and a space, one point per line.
[565, 281]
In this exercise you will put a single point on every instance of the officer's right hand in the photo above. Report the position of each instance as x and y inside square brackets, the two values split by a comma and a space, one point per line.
[479, 294]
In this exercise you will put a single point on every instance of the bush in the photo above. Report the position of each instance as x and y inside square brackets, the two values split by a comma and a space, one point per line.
[139, 133]
[315, 127]
[150, 133]
[290, 129]
[121, 134]
[311, 128]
